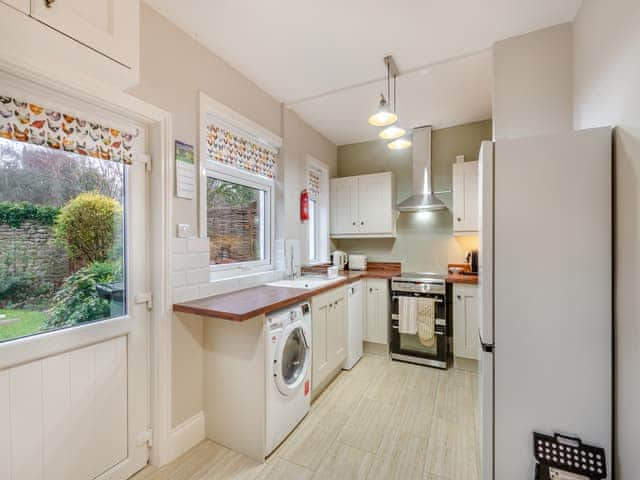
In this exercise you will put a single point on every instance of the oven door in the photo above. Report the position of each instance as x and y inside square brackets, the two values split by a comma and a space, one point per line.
[408, 347]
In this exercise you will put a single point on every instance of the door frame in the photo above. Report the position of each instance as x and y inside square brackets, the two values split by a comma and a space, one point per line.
[161, 148]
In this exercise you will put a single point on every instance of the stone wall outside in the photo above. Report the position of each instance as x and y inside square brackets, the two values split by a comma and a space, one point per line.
[32, 245]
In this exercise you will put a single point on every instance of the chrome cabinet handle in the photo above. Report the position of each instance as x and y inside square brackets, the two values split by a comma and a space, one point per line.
[361, 223]
[459, 297]
[49, 3]
[459, 219]
[354, 224]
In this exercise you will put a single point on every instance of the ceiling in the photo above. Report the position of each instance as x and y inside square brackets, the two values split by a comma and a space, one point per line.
[304, 49]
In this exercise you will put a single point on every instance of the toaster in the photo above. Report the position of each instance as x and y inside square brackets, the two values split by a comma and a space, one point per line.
[357, 262]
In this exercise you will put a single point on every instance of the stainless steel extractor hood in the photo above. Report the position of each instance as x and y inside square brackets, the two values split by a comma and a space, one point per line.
[422, 199]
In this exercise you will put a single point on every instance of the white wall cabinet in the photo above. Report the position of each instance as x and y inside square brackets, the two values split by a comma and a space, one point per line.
[108, 26]
[363, 206]
[465, 198]
[22, 5]
[89, 39]
[377, 311]
[466, 317]
[329, 334]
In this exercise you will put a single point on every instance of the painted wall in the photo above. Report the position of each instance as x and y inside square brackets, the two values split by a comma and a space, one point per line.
[607, 92]
[533, 83]
[174, 69]
[424, 241]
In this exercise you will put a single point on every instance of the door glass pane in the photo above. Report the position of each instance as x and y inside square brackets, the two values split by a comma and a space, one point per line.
[293, 357]
[235, 222]
[62, 248]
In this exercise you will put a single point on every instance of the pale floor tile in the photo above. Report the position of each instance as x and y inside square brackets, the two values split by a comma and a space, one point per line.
[344, 462]
[451, 452]
[380, 420]
[402, 456]
[367, 426]
[414, 413]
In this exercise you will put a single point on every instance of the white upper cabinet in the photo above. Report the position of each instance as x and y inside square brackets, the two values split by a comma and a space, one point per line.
[108, 26]
[84, 40]
[22, 5]
[363, 206]
[465, 197]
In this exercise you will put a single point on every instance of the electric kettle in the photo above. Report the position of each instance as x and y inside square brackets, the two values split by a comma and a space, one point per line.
[339, 259]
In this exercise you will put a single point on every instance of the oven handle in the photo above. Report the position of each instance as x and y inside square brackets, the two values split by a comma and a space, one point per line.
[395, 297]
[439, 321]
[396, 327]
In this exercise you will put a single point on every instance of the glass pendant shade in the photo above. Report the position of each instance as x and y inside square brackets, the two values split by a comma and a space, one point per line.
[384, 116]
[392, 132]
[399, 144]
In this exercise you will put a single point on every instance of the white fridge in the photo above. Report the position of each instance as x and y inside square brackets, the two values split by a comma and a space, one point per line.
[545, 273]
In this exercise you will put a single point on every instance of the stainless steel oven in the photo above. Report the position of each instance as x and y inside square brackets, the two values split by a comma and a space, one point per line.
[407, 347]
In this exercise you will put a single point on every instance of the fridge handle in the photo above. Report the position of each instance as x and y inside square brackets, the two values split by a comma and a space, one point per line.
[486, 347]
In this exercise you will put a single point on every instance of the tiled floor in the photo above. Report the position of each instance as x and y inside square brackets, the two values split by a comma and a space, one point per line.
[382, 420]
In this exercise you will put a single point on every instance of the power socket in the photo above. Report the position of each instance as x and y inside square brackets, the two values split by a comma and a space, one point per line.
[185, 230]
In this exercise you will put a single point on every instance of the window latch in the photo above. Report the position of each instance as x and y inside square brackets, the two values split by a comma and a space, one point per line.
[146, 297]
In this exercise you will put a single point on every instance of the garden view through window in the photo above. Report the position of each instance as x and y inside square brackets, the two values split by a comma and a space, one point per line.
[235, 222]
[61, 239]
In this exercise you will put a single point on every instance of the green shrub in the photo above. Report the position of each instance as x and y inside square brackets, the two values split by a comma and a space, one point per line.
[78, 301]
[88, 226]
[15, 213]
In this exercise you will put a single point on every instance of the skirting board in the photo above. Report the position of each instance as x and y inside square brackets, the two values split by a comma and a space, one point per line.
[186, 435]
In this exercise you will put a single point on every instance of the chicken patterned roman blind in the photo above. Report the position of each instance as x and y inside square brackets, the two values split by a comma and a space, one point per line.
[230, 148]
[30, 123]
[313, 182]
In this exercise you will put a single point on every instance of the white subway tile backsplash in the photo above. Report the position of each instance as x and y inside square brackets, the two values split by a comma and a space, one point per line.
[184, 294]
[179, 245]
[198, 245]
[179, 279]
[200, 275]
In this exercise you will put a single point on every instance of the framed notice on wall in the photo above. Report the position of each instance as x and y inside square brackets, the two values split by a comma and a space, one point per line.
[185, 170]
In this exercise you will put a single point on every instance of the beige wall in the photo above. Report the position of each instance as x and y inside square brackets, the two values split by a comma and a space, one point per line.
[174, 69]
[607, 92]
[424, 241]
[532, 83]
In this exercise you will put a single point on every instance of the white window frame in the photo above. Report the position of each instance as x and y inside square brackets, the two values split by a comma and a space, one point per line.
[321, 213]
[218, 113]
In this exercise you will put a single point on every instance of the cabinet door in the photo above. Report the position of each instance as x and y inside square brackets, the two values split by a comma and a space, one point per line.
[344, 205]
[466, 315]
[377, 311]
[108, 26]
[22, 5]
[465, 197]
[319, 343]
[375, 205]
[337, 331]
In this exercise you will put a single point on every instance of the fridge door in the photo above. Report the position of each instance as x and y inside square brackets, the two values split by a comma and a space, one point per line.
[485, 258]
[552, 293]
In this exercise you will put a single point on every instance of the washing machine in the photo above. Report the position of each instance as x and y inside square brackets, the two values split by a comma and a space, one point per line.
[288, 352]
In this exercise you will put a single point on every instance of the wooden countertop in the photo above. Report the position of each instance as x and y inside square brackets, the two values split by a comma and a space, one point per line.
[461, 278]
[251, 302]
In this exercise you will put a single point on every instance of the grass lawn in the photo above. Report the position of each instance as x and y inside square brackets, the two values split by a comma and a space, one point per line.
[30, 322]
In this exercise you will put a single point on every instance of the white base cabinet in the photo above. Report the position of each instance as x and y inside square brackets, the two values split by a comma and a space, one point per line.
[377, 311]
[465, 198]
[329, 334]
[363, 206]
[466, 316]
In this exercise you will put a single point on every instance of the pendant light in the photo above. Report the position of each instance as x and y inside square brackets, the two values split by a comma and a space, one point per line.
[399, 143]
[384, 116]
[392, 132]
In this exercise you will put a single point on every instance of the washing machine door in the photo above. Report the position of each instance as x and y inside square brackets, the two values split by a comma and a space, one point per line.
[293, 358]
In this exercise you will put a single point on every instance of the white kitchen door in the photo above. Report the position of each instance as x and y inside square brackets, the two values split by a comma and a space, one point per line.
[74, 372]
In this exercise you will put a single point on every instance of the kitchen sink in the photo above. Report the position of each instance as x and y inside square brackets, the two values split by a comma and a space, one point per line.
[308, 283]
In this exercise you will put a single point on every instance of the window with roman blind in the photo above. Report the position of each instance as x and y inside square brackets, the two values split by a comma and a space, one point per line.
[317, 185]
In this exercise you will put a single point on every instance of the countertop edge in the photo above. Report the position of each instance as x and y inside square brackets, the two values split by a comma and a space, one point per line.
[352, 276]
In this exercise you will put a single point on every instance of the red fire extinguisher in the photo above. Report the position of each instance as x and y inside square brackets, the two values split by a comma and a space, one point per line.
[304, 205]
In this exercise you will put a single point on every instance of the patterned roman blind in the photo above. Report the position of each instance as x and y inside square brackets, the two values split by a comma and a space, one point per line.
[27, 122]
[313, 182]
[231, 148]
